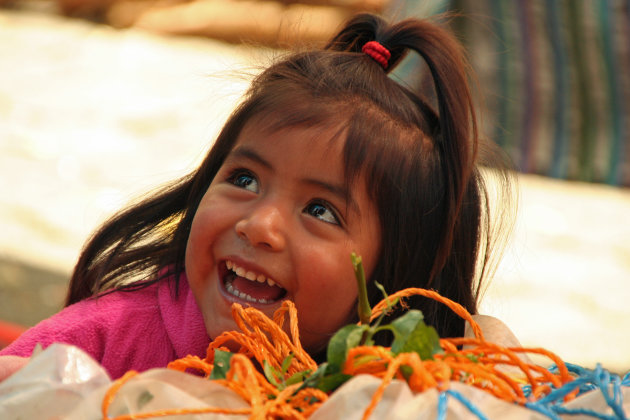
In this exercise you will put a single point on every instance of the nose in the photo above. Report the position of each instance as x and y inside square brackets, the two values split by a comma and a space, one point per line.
[263, 227]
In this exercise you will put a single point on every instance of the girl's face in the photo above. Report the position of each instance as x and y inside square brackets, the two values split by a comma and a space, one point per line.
[275, 224]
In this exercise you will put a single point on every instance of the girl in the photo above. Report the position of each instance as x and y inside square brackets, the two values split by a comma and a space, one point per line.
[326, 155]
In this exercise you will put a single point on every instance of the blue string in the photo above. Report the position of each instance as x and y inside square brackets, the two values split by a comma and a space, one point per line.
[552, 405]
[584, 411]
[609, 385]
[542, 409]
[559, 393]
[442, 405]
[605, 381]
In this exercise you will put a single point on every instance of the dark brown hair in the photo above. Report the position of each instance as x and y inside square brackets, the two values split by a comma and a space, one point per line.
[420, 166]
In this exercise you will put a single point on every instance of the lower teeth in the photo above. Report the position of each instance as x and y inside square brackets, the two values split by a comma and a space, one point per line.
[234, 292]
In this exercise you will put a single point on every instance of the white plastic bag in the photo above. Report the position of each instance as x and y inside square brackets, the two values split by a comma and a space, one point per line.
[399, 403]
[161, 389]
[51, 384]
[63, 382]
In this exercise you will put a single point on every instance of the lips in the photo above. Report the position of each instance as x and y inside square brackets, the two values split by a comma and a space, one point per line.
[250, 286]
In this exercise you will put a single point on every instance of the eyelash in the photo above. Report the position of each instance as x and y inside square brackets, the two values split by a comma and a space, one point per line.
[327, 206]
[235, 175]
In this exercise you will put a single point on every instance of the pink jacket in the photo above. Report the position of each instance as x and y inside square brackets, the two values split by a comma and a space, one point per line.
[135, 330]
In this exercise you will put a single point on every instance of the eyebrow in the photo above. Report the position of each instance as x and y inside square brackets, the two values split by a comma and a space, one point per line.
[338, 190]
[247, 153]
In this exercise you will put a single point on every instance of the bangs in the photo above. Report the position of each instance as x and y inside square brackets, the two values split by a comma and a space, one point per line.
[288, 104]
[392, 156]
[386, 128]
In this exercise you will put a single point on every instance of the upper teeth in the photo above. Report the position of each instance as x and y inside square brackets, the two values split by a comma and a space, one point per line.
[249, 275]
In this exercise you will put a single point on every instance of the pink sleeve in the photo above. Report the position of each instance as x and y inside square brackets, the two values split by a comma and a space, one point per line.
[120, 330]
[77, 324]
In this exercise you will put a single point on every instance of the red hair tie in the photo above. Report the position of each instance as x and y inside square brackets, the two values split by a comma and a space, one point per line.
[379, 53]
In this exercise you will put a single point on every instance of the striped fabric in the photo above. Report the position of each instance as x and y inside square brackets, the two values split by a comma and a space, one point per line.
[556, 81]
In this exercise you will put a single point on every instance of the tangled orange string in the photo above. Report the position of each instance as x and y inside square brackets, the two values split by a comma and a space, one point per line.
[473, 361]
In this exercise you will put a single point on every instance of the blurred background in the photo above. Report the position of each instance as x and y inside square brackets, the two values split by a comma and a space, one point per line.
[103, 100]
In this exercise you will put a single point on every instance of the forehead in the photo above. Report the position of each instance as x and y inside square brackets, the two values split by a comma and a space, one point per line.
[325, 140]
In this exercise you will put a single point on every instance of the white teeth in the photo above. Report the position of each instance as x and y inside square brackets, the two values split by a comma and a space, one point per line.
[229, 287]
[231, 290]
[249, 275]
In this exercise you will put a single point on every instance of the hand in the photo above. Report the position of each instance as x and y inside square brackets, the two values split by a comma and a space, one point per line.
[11, 364]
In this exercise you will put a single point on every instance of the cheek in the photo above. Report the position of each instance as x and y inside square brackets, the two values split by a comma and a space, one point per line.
[194, 242]
[328, 272]
[327, 296]
[203, 233]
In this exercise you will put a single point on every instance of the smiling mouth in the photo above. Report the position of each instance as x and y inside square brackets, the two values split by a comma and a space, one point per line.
[249, 286]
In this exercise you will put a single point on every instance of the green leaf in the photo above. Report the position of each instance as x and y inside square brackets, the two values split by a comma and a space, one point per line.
[364, 309]
[411, 334]
[380, 287]
[390, 306]
[286, 363]
[221, 364]
[402, 328]
[423, 340]
[322, 381]
[406, 371]
[474, 358]
[297, 377]
[144, 399]
[271, 374]
[329, 383]
[313, 380]
[338, 346]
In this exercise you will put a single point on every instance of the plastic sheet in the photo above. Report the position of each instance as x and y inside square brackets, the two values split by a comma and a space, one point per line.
[399, 403]
[65, 383]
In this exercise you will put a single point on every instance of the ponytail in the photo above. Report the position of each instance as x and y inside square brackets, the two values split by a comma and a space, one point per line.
[457, 138]
[440, 251]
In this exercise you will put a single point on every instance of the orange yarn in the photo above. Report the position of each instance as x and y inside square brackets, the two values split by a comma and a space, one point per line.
[262, 340]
